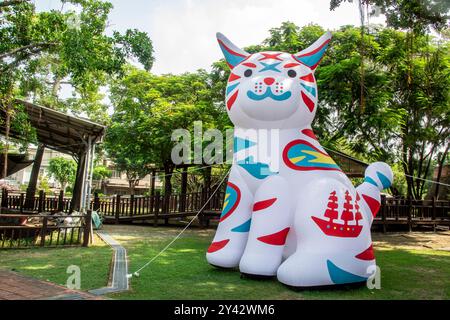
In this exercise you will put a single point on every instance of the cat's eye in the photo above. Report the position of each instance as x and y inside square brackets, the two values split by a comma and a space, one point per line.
[292, 73]
[248, 73]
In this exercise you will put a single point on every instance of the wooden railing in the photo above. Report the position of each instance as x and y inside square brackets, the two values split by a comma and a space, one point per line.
[40, 203]
[34, 230]
[117, 209]
[413, 212]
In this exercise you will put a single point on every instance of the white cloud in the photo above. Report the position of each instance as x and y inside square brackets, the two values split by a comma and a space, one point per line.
[183, 32]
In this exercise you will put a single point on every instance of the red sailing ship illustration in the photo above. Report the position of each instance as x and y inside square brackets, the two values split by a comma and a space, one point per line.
[334, 229]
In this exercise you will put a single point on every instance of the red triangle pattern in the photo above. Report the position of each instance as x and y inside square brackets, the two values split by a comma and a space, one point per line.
[373, 204]
[366, 254]
[261, 205]
[275, 239]
[216, 246]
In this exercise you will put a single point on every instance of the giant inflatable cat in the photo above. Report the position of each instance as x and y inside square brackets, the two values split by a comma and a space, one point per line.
[293, 214]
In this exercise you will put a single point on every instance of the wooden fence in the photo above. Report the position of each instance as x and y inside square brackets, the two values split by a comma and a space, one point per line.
[160, 208]
[31, 230]
[413, 213]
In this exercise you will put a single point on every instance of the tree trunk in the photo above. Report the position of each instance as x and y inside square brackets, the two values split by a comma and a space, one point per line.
[168, 170]
[207, 177]
[7, 129]
[152, 184]
[56, 86]
[441, 162]
[132, 185]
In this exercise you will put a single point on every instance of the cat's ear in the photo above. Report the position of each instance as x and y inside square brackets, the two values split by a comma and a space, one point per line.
[233, 54]
[312, 55]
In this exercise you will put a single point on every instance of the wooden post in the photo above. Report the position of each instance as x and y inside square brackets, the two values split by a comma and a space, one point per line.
[41, 201]
[31, 190]
[410, 207]
[96, 206]
[44, 231]
[77, 187]
[152, 192]
[117, 211]
[166, 206]
[383, 212]
[156, 208]
[433, 213]
[4, 198]
[182, 204]
[201, 216]
[131, 208]
[87, 227]
[61, 201]
[21, 204]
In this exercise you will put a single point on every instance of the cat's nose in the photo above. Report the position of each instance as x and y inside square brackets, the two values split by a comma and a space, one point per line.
[269, 81]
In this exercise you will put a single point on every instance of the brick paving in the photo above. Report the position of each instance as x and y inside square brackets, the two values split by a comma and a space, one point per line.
[14, 286]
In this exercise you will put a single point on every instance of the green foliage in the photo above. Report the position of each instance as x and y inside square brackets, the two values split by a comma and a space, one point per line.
[101, 172]
[43, 184]
[147, 109]
[63, 170]
[40, 51]
[402, 117]
[418, 15]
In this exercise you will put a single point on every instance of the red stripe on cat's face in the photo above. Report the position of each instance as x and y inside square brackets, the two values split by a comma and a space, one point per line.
[291, 65]
[232, 100]
[309, 103]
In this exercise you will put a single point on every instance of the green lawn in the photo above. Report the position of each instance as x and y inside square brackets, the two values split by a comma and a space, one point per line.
[51, 263]
[183, 273]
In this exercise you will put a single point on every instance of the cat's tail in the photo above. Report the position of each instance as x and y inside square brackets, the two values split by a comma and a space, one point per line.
[378, 176]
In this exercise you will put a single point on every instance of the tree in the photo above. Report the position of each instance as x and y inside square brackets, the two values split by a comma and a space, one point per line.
[420, 76]
[39, 51]
[417, 15]
[63, 170]
[147, 109]
[100, 174]
[405, 118]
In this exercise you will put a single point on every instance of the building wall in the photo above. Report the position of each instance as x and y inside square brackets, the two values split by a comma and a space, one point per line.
[23, 176]
[117, 184]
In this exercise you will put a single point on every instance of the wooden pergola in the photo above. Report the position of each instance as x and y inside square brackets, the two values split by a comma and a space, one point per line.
[67, 134]
[352, 167]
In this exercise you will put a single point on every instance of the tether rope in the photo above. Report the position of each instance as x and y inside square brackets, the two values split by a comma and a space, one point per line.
[136, 273]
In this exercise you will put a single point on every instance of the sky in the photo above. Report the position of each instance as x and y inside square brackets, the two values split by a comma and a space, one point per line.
[183, 31]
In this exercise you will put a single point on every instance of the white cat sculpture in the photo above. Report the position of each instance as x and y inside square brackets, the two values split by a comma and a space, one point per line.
[293, 214]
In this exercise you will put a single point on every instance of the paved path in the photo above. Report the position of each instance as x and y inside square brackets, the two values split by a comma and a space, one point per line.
[119, 280]
[14, 286]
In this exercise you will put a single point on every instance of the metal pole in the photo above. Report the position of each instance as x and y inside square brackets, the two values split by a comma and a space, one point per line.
[85, 177]
[91, 171]
[89, 187]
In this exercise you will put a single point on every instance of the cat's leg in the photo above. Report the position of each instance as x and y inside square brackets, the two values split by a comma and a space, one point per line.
[271, 222]
[232, 232]
[333, 239]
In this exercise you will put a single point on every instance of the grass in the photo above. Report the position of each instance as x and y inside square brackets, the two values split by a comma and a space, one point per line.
[51, 263]
[183, 273]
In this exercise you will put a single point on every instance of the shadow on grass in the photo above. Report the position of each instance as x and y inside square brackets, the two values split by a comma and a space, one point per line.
[51, 264]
